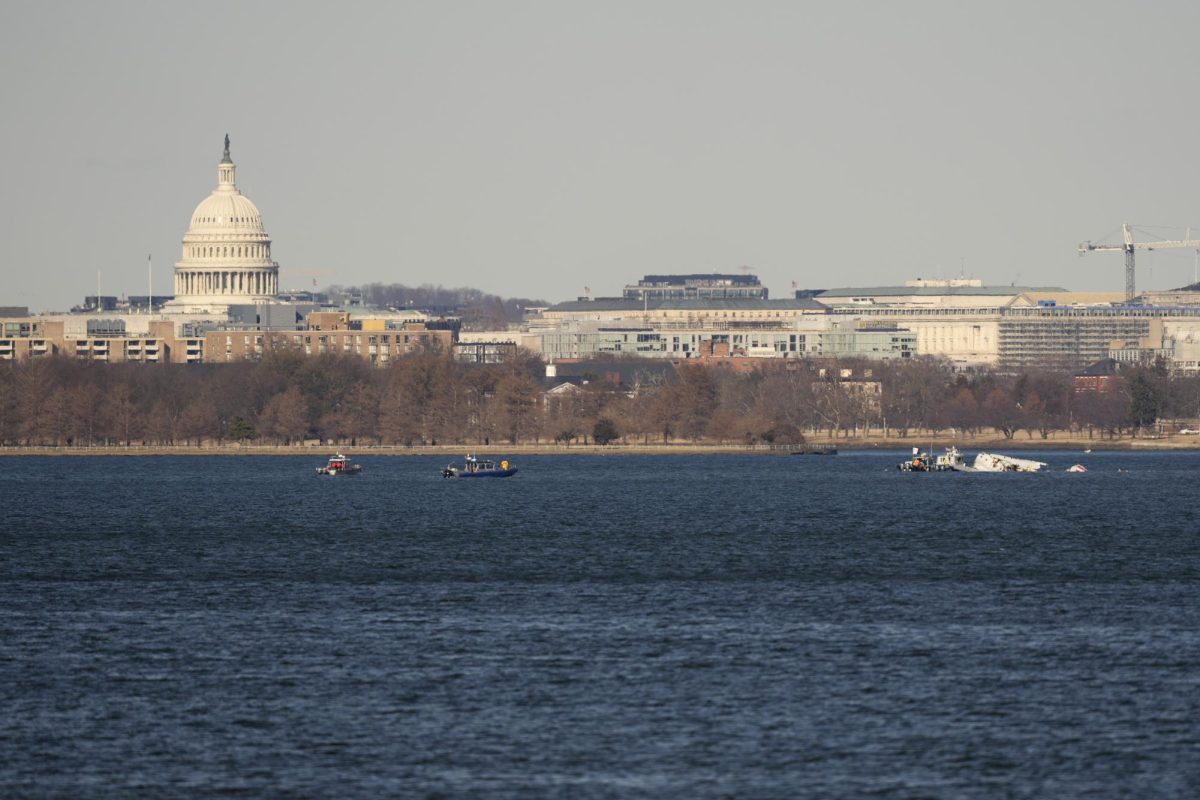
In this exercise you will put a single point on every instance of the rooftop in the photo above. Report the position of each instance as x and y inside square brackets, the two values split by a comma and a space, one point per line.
[699, 304]
[935, 291]
[739, 279]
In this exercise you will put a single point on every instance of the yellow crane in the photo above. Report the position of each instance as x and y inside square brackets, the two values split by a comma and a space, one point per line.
[1129, 247]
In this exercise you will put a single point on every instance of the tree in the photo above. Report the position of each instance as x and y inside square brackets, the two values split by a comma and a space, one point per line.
[604, 431]
[1055, 393]
[1033, 409]
[199, 420]
[831, 404]
[695, 399]
[355, 417]
[662, 412]
[1108, 411]
[1000, 410]
[630, 414]
[34, 387]
[84, 409]
[160, 425]
[121, 412]
[561, 418]
[405, 401]
[286, 416]
[783, 398]
[59, 422]
[516, 398]
[10, 407]
[962, 411]
[1145, 399]
[240, 430]
[913, 392]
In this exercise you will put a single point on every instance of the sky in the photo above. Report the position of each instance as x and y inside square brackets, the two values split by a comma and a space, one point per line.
[536, 148]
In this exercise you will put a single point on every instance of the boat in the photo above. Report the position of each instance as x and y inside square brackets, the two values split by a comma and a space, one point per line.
[950, 461]
[815, 450]
[920, 462]
[473, 467]
[339, 465]
[994, 462]
[953, 460]
[1077, 468]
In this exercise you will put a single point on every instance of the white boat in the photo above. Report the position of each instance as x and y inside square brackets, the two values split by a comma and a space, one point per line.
[339, 465]
[994, 462]
[953, 460]
[1077, 468]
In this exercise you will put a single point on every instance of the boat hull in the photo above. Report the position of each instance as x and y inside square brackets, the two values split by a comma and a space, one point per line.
[333, 473]
[483, 473]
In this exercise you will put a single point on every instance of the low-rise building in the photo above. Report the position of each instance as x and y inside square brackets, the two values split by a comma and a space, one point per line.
[108, 340]
[682, 314]
[1100, 376]
[104, 341]
[806, 337]
[377, 340]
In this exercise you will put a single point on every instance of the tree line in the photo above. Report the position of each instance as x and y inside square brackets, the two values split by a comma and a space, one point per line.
[427, 398]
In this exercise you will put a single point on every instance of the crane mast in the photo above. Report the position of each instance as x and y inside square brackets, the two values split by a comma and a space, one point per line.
[1129, 247]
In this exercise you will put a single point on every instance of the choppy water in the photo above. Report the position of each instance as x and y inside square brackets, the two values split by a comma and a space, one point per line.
[599, 627]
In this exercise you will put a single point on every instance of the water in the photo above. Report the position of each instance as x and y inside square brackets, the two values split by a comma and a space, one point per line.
[599, 627]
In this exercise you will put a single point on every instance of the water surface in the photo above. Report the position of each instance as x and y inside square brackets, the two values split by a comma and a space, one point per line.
[598, 626]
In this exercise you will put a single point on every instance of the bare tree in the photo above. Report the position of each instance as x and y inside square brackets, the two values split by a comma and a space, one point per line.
[286, 416]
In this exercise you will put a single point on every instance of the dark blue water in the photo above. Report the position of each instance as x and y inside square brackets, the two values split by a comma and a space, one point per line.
[599, 627]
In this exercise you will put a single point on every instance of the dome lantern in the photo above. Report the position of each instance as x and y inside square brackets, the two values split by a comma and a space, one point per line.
[227, 171]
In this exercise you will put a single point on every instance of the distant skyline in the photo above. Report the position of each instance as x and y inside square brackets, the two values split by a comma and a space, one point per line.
[535, 148]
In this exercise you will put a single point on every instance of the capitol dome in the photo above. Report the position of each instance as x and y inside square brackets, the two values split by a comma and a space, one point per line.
[226, 250]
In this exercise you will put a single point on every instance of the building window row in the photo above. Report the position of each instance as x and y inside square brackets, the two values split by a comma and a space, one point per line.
[245, 251]
[235, 220]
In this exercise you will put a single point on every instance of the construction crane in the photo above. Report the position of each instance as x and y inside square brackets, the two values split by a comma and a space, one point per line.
[1129, 247]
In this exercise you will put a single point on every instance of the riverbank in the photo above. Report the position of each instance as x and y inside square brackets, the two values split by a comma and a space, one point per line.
[864, 443]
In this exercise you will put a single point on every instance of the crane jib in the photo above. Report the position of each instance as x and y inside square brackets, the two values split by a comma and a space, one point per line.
[1129, 246]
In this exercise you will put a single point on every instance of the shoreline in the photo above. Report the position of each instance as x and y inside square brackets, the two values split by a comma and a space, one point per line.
[550, 449]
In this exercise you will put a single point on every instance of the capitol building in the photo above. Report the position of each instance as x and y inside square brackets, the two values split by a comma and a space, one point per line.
[226, 252]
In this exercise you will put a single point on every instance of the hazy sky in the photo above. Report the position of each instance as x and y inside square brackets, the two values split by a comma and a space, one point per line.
[536, 148]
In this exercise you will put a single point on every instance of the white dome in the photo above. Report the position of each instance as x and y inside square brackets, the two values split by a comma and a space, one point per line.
[226, 212]
[226, 250]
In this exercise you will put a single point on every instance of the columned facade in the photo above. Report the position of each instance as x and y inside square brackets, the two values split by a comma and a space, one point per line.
[226, 250]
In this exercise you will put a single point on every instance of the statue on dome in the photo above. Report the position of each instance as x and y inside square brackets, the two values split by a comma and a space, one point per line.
[227, 145]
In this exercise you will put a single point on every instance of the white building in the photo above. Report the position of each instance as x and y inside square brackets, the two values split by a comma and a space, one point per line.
[226, 252]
